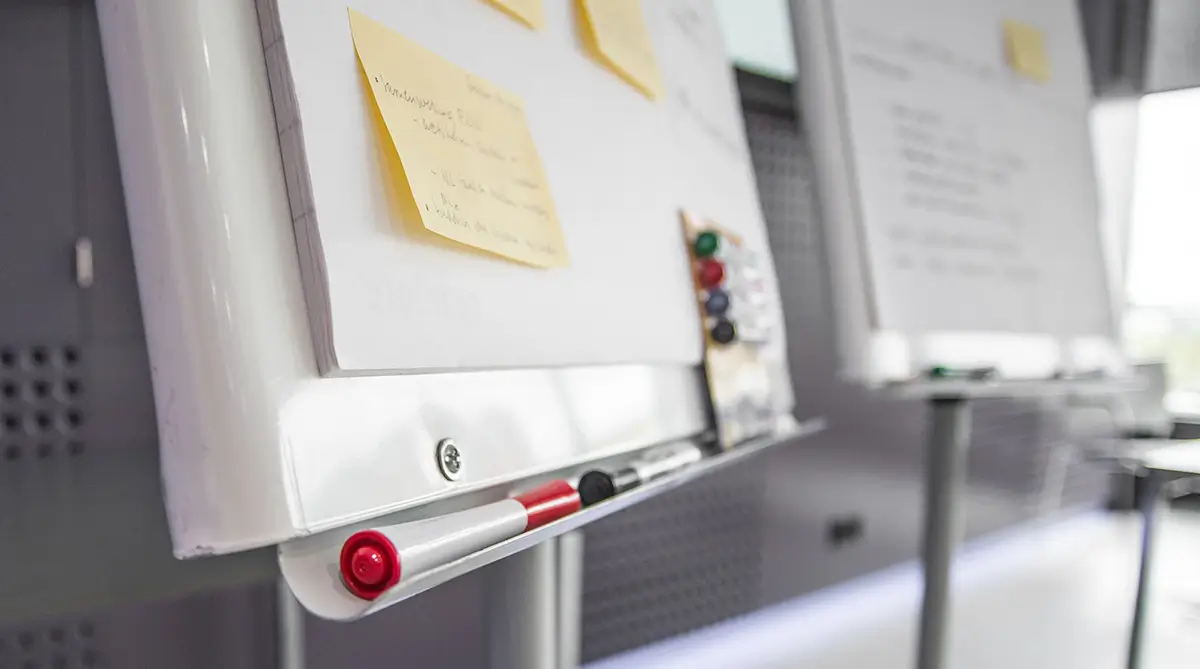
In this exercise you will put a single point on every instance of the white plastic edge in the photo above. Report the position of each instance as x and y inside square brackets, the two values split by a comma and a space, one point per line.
[200, 165]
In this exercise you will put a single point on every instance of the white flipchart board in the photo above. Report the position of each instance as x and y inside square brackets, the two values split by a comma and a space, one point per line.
[960, 195]
[620, 167]
[269, 433]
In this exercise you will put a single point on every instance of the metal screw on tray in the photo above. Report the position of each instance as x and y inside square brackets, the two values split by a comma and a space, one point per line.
[449, 459]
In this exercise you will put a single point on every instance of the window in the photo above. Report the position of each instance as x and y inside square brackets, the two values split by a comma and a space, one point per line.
[1162, 321]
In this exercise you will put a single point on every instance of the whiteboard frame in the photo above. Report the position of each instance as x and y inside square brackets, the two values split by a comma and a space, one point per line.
[876, 357]
[257, 447]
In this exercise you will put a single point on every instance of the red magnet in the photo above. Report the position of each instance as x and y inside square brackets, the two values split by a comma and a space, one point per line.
[711, 273]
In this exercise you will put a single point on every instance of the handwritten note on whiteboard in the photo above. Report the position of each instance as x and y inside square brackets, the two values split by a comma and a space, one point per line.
[467, 152]
[615, 33]
[529, 12]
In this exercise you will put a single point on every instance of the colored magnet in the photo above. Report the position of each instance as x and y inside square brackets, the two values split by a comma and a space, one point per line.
[706, 244]
[723, 332]
[711, 273]
[717, 303]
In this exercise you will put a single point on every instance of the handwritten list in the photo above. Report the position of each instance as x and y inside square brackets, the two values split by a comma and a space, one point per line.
[959, 183]
[467, 152]
[958, 190]
[972, 175]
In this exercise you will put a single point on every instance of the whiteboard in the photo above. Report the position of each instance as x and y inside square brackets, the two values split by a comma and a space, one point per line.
[257, 445]
[960, 195]
[619, 166]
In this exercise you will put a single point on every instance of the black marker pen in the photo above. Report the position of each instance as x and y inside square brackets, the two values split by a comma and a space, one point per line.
[597, 486]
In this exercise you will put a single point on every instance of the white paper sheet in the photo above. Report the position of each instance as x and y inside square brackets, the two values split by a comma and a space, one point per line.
[974, 193]
[619, 167]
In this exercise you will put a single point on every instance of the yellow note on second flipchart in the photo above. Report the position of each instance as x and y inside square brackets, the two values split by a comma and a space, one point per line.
[1025, 49]
[615, 32]
[529, 12]
[465, 146]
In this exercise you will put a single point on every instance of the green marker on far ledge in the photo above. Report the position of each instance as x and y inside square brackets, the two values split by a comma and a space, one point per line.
[979, 374]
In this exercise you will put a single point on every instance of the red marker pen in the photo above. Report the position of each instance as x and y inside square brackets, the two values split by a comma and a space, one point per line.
[372, 561]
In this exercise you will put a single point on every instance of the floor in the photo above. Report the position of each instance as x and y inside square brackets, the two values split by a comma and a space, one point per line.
[1058, 595]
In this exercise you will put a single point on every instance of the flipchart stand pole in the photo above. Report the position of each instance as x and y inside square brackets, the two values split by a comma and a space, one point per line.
[570, 599]
[945, 473]
[533, 607]
[290, 627]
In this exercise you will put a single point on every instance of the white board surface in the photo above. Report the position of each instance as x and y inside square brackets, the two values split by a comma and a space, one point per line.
[619, 167]
[961, 195]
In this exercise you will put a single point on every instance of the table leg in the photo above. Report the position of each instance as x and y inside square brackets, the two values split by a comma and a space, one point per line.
[1148, 502]
[946, 469]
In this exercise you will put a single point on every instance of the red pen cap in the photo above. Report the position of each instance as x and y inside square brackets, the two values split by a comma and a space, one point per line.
[369, 564]
[548, 502]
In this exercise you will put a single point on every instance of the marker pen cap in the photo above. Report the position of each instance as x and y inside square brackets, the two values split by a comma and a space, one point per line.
[369, 564]
[597, 486]
[548, 502]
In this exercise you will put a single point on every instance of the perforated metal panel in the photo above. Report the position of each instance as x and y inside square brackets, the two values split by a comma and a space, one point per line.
[41, 410]
[70, 644]
[688, 559]
[229, 629]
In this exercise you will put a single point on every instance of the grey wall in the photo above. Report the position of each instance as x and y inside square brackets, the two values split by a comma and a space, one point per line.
[78, 464]
[1173, 58]
[78, 447]
[1142, 46]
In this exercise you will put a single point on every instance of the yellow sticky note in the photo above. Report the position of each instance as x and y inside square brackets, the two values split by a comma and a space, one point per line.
[465, 148]
[614, 32]
[1025, 49]
[529, 12]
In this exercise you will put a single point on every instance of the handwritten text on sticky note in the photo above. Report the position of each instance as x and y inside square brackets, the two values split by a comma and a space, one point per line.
[529, 12]
[466, 149]
[1025, 49]
[615, 33]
